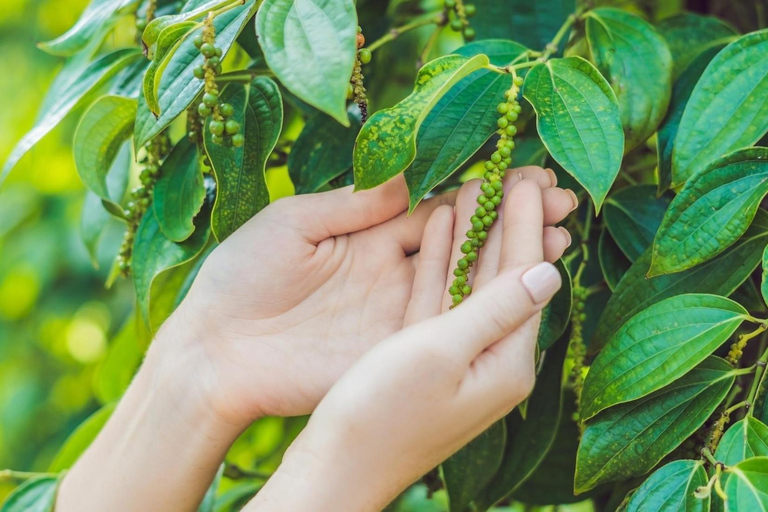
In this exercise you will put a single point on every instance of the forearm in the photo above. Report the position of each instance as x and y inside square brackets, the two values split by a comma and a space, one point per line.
[160, 449]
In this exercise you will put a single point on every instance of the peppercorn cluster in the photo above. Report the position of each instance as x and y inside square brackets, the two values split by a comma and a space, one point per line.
[141, 197]
[576, 346]
[492, 193]
[219, 114]
[460, 22]
[356, 89]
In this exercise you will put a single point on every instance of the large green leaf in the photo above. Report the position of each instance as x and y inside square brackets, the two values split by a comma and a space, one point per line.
[764, 277]
[80, 439]
[711, 212]
[681, 92]
[636, 61]
[387, 143]
[629, 439]
[632, 216]
[555, 315]
[719, 276]
[241, 185]
[613, 263]
[670, 489]
[658, 345]
[530, 439]
[322, 152]
[745, 439]
[578, 119]
[747, 486]
[689, 34]
[533, 24]
[726, 110]
[168, 42]
[179, 192]
[469, 470]
[79, 91]
[98, 14]
[37, 494]
[462, 121]
[102, 131]
[154, 253]
[311, 46]
[178, 86]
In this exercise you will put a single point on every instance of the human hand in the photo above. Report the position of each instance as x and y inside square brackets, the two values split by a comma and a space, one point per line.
[421, 394]
[292, 299]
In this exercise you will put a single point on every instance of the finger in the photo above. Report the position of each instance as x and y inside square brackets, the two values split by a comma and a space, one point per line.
[433, 261]
[546, 178]
[342, 211]
[523, 227]
[408, 230]
[501, 307]
[558, 203]
[556, 241]
[466, 203]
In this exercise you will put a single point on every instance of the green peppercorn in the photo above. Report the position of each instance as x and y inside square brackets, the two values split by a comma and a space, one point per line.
[454, 290]
[511, 130]
[199, 72]
[495, 157]
[481, 199]
[466, 289]
[198, 41]
[497, 185]
[458, 272]
[517, 108]
[219, 52]
[238, 140]
[471, 234]
[503, 122]
[478, 226]
[461, 280]
[482, 236]
[457, 25]
[232, 127]
[502, 108]
[471, 256]
[509, 116]
[496, 200]
[469, 34]
[470, 10]
[208, 50]
[226, 110]
[488, 220]
[505, 151]
[204, 110]
[481, 212]
[489, 166]
[494, 215]
[210, 99]
[462, 263]
[465, 247]
[214, 61]
[365, 55]
[141, 24]
[456, 299]
[216, 127]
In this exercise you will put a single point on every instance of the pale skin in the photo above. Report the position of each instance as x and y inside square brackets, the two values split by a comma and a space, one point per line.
[336, 299]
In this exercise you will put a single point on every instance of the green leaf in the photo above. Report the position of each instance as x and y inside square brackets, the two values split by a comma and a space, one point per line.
[613, 263]
[241, 186]
[462, 121]
[555, 315]
[636, 61]
[101, 134]
[322, 152]
[629, 439]
[154, 253]
[78, 92]
[714, 208]
[726, 110]
[657, 346]
[632, 215]
[115, 372]
[747, 486]
[311, 47]
[670, 489]
[178, 86]
[95, 217]
[209, 500]
[533, 24]
[578, 119]
[469, 470]
[529, 439]
[689, 34]
[743, 440]
[168, 42]
[37, 494]
[681, 92]
[92, 21]
[764, 278]
[386, 144]
[237, 495]
[719, 276]
[80, 439]
[192, 10]
[179, 192]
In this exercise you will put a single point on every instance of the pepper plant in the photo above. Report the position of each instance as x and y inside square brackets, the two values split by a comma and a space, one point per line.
[651, 389]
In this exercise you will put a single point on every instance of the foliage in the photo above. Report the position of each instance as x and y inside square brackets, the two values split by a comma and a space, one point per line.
[651, 391]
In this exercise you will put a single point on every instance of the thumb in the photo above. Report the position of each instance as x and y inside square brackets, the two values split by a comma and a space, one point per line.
[501, 307]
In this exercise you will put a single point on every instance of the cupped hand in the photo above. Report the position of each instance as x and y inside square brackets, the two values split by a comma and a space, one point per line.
[292, 299]
[421, 394]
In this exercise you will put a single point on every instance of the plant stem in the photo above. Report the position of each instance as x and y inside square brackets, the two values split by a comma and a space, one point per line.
[708, 455]
[584, 244]
[394, 33]
[757, 381]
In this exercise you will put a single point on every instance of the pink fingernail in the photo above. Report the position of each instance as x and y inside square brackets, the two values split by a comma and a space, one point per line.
[542, 281]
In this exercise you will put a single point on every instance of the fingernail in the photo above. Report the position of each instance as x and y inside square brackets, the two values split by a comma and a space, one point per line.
[541, 281]
[567, 235]
[573, 198]
[552, 176]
